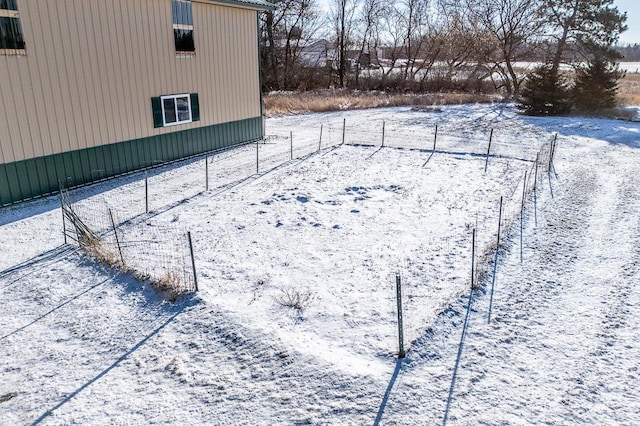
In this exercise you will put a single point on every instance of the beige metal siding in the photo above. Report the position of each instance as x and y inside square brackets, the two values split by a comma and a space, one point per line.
[92, 67]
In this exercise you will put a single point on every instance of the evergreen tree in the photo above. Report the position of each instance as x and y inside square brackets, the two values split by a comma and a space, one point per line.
[545, 92]
[596, 85]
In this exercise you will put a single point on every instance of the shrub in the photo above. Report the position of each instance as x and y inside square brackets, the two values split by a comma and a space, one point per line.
[294, 299]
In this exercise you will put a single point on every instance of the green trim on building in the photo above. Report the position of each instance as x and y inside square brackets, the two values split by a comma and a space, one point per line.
[34, 177]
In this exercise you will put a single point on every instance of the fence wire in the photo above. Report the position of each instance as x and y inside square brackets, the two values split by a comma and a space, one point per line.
[160, 255]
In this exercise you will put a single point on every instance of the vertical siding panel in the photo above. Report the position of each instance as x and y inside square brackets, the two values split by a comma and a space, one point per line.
[107, 160]
[88, 129]
[155, 34]
[6, 146]
[124, 104]
[61, 90]
[24, 93]
[38, 119]
[35, 39]
[5, 193]
[149, 69]
[69, 102]
[93, 82]
[214, 70]
[240, 64]
[223, 76]
[15, 186]
[104, 113]
[133, 20]
[15, 151]
[114, 86]
[163, 29]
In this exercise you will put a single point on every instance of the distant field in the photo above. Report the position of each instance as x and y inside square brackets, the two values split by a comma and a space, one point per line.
[629, 89]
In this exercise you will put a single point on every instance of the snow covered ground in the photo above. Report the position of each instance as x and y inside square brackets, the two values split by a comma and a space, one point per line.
[81, 344]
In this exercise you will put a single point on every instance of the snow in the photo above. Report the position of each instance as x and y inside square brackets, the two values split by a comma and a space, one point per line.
[83, 344]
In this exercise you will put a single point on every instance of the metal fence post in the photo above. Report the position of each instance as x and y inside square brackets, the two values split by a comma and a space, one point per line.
[146, 191]
[495, 262]
[64, 221]
[473, 260]
[115, 232]
[344, 128]
[486, 161]
[435, 138]
[383, 133]
[193, 261]
[320, 142]
[206, 173]
[401, 352]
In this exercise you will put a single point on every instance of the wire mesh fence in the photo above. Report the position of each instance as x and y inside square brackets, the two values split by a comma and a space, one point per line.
[160, 255]
[116, 218]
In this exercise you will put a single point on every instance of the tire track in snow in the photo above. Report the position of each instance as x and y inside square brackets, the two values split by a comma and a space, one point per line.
[82, 324]
[561, 317]
[207, 366]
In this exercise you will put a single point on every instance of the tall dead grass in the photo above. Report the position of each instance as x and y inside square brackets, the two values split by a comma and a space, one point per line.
[323, 101]
[629, 90]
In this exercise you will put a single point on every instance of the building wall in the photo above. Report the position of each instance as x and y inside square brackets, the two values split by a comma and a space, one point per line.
[92, 66]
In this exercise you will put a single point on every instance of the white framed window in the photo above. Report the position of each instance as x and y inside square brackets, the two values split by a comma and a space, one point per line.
[176, 109]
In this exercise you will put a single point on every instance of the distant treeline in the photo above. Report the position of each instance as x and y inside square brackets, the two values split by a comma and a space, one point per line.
[631, 52]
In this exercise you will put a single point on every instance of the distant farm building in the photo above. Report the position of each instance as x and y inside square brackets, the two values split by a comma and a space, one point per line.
[91, 88]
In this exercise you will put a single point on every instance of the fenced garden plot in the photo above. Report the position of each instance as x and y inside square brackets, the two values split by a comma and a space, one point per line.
[339, 226]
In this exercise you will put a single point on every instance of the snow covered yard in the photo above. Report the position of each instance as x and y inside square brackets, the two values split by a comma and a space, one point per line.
[81, 344]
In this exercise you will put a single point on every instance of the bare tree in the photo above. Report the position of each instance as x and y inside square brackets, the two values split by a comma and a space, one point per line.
[369, 22]
[285, 32]
[343, 15]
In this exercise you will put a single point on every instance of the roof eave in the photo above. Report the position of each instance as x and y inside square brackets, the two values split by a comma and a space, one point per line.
[257, 5]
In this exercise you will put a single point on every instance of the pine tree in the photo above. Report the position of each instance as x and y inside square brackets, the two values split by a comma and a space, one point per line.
[545, 92]
[596, 85]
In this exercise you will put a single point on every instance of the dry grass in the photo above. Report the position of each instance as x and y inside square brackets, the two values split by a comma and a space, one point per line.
[323, 101]
[629, 90]
[169, 285]
[296, 299]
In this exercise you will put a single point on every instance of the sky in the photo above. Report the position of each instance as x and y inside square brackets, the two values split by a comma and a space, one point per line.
[632, 7]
